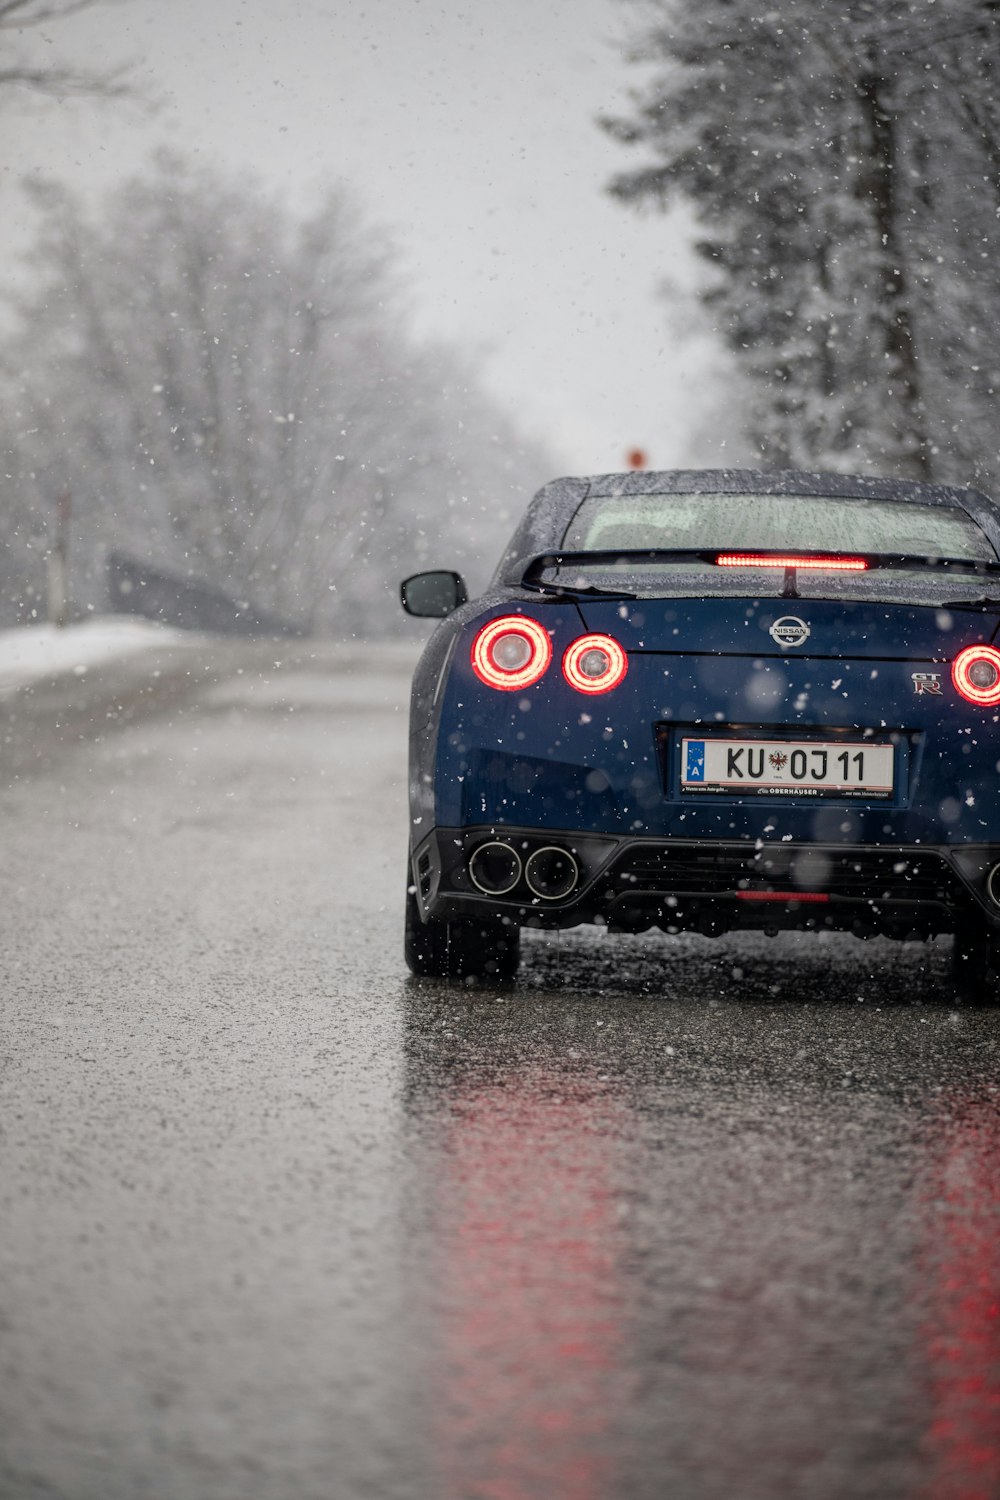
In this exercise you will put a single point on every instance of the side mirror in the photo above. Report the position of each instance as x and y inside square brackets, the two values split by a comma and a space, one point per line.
[431, 596]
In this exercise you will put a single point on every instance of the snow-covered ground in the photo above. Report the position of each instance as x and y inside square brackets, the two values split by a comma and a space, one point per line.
[36, 653]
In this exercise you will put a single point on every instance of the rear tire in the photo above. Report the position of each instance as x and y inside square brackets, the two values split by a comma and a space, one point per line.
[459, 947]
[975, 965]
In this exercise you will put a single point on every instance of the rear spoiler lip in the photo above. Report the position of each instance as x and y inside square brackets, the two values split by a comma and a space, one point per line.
[524, 573]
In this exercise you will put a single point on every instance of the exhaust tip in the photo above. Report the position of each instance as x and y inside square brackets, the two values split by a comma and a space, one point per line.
[495, 868]
[993, 885]
[551, 873]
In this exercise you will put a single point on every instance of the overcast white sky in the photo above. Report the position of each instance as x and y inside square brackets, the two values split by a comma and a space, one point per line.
[468, 128]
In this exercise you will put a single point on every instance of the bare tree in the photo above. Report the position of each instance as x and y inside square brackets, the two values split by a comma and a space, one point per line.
[232, 392]
[29, 63]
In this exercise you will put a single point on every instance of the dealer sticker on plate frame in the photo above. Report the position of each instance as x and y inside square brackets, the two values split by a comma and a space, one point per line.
[805, 768]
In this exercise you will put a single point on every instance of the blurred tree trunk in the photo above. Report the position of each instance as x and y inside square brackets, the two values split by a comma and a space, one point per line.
[58, 565]
[878, 185]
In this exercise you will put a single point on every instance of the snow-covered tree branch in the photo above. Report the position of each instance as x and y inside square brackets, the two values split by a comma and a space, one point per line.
[26, 65]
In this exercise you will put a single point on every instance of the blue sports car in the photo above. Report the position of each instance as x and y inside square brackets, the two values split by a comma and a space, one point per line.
[711, 701]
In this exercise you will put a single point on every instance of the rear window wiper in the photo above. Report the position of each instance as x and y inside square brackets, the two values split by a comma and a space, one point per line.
[983, 601]
[528, 571]
[581, 588]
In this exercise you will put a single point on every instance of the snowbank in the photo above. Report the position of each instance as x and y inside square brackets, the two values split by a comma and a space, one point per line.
[37, 653]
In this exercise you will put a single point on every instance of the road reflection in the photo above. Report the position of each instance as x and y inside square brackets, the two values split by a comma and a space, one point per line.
[961, 1263]
[704, 1247]
[528, 1241]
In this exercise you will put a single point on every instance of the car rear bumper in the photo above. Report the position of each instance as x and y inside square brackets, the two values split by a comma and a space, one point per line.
[713, 886]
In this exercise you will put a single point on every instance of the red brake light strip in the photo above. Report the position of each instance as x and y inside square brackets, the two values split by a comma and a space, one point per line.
[768, 560]
[813, 896]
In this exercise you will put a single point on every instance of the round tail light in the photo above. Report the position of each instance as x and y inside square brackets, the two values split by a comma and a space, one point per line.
[976, 675]
[594, 664]
[511, 653]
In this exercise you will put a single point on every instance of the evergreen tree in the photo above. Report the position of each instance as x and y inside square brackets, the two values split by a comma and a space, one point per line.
[845, 163]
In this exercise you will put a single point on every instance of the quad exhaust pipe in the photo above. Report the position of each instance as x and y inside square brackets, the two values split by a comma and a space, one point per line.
[550, 873]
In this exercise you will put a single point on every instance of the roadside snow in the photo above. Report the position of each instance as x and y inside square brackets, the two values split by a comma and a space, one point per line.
[36, 653]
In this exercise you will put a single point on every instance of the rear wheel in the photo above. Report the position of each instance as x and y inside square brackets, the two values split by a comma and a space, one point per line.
[459, 947]
[975, 964]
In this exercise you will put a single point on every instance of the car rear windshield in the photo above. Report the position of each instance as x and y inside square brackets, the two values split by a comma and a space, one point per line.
[741, 523]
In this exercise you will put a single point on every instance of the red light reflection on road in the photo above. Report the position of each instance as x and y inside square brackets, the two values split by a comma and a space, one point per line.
[962, 1260]
[531, 1330]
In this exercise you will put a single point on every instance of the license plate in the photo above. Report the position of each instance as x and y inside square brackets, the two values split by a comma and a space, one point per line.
[809, 768]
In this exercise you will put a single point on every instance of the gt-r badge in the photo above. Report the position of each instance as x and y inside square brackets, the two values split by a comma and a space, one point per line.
[927, 682]
[789, 631]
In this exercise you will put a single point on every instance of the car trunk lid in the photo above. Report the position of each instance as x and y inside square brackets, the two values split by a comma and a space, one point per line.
[788, 627]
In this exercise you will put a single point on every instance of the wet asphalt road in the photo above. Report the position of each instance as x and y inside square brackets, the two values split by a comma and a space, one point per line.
[669, 1218]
